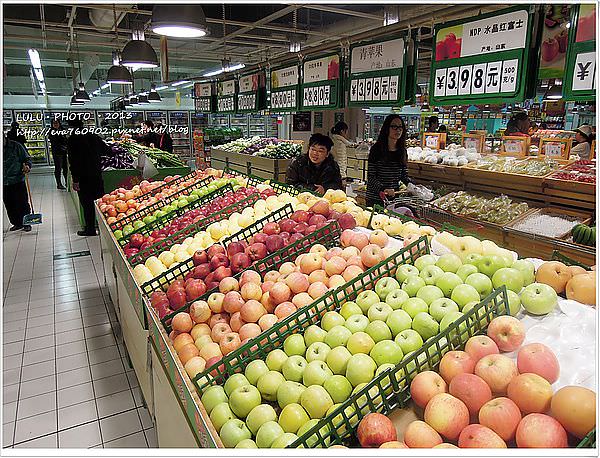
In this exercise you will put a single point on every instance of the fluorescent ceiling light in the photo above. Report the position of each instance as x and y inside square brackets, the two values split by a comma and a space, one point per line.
[179, 83]
[161, 88]
[39, 74]
[236, 67]
[34, 57]
[105, 86]
[179, 31]
[214, 73]
[230, 68]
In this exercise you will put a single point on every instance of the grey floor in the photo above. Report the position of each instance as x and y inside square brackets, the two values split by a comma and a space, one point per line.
[66, 379]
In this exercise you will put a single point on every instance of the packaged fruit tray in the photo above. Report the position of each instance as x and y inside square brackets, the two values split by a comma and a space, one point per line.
[549, 222]
[153, 222]
[176, 181]
[202, 224]
[150, 209]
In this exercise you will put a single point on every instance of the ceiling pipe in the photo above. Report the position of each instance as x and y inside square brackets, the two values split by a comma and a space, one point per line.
[334, 10]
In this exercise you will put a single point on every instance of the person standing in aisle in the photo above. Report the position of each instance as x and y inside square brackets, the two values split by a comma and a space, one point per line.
[149, 137]
[14, 135]
[58, 146]
[339, 135]
[84, 151]
[16, 164]
[388, 161]
[316, 170]
[584, 137]
[434, 124]
[518, 125]
[165, 141]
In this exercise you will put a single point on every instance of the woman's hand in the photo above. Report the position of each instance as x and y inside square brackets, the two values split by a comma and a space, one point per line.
[389, 192]
[26, 168]
[319, 189]
[76, 187]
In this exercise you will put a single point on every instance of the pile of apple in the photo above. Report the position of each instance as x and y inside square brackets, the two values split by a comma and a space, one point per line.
[139, 242]
[574, 282]
[181, 202]
[339, 203]
[409, 231]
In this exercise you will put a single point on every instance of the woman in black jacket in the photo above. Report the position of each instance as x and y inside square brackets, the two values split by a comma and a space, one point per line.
[58, 146]
[316, 170]
[388, 161]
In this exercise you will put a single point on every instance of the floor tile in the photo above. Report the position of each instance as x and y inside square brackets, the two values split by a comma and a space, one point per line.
[93, 320]
[12, 362]
[107, 369]
[38, 356]
[40, 311]
[104, 354]
[34, 427]
[83, 436]
[39, 331]
[10, 393]
[74, 377]
[10, 376]
[96, 343]
[9, 412]
[12, 336]
[151, 438]
[36, 405]
[39, 343]
[115, 403]
[77, 414]
[72, 348]
[145, 417]
[14, 348]
[48, 441]
[8, 434]
[66, 306]
[110, 385]
[69, 336]
[120, 425]
[75, 394]
[69, 363]
[45, 320]
[98, 330]
[38, 386]
[69, 325]
[39, 370]
[136, 440]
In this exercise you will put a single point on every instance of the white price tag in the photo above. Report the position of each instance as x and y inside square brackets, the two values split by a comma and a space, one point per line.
[452, 81]
[478, 79]
[553, 149]
[440, 82]
[513, 146]
[584, 73]
[509, 75]
[393, 88]
[385, 88]
[353, 90]
[492, 77]
[472, 143]
[369, 89]
[361, 90]
[326, 98]
[464, 85]
[432, 142]
[377, 89]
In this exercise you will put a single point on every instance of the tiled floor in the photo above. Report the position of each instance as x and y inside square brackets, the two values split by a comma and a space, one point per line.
[66, 378]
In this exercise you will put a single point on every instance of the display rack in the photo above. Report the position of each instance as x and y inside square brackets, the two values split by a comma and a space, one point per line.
[157, 117]
[181, 140]
[241, 122]
[31, 122]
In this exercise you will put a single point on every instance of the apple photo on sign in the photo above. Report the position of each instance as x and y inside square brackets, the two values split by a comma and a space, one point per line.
[448, 43]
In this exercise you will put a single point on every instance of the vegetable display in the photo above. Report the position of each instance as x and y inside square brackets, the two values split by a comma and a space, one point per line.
[264, 147]
[499, 210]
[119, 158]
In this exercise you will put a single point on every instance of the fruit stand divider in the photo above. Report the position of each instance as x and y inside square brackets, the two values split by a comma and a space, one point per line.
[391, 388]
[327, 236]
[156, 206]
[298, 321]
[183, 268]
[589, 441]
[200, 225]
[166, 185]
[558, 256]
[253, 180]
[159, 223]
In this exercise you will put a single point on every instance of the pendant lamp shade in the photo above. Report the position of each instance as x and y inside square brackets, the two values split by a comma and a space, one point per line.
[153, 96]
[81, 94]
[117, 74]
[181, 21]
[138, 53]
[76, 102]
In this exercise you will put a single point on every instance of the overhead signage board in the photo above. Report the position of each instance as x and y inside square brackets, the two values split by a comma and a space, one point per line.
[203, 97]
[251, 94]
[321, 83]
[377, 73]
[482, 60]
[284, 88]
[226, 96]
[581, 68]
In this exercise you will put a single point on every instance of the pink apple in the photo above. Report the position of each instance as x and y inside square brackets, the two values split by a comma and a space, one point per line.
[232, 302]
[454, 363]
[302, 300]
[218, 318]
[479, 436]
[284, 310]
[236, 322]
[479, 346]
[317, 290]
[250, 276]
[346, 237]
[472, 390]
[251, 291]
[447, 415]
[200, 311]
[251, 311]
[266, 321]
[497, 371]
[318, 276]
[349, 252]
[537, 358]
[310, 262]
[425, 386]
[297, 282]
[355, 261]
[335, 251]
[371, 255]
[272, 275]
[359, 240]
[379, 237]
[287, 268]
[218, 331]
[335, 266]
[502, 416]
[530, 392]
[351, 272]
[228, 284]
[249, 331]
[336, 281]
[537, 430]
[280, 292]
[230, 342]
[507, 331]
[419, 434]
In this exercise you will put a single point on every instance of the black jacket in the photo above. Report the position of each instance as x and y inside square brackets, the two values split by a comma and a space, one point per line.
[386, 170]
[303, 173]
[58, 142]
[84, 161]
[13, 134]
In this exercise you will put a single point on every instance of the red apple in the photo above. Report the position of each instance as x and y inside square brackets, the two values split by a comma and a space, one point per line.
[537, 430]
[216, 249]
[233, 248]
[419, 434]
[346, 221]
[536, 358]
[219, 260]
[454, 363]
[256, 251]
[239, 262]
[497, 371]
[478, 436]
[502, 416]
[375, 429]
[195, 289]
[287, 225]
[447, 415]
[321, 207]
[274, 243]
[259, 238]
[507, 332]
[220, 273]
[425, 386]
[271, 228]
[472, 390]
[300, 216]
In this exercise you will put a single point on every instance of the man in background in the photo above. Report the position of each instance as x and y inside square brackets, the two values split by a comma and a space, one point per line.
[16, 164]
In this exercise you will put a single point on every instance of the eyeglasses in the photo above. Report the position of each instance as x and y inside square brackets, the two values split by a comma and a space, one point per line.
[395, 126]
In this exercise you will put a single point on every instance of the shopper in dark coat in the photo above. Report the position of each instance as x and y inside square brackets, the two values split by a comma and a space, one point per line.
[17, 163]
[316, 170]
[149, 137]
[58, 146]
[84, 151]
[165, 142]
[388, 161]
[16, 136]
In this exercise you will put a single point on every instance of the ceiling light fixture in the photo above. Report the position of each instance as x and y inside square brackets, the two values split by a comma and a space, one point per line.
[143, 99]
[81, 94]
[118, 74]
[76, 102]
[161, 88]
[138, 53]
[153, 96]
[179, 83]
[180, 21]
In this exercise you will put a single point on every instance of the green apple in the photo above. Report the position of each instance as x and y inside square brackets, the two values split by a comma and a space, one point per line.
[255, 369]
[412, 285]
[514, 302]
[386, 285]
[386, 380]
[275, 360]
[267, 434]
[386, 352]
[314, 334]
[481, 283]
[378, 331]
[465, 270]
[220, 415]
[425, 325]
[259, 416]
[357, 323]
[405, 271]
[294, 345]
[472, 258]
[313, 440]
[366, 299]
[430, 293]
[233, 432]
[509, 277]
[449, 318]
[449, 262]
[424, 261]
[289, 392]
[488, 265]
[246, 443]
[138, 224]
[527, 269]
[338, 335]
[439, 308]
[118, 234]
[448, 281]
[361, 369]
[244, 399]
[430, 274]
[398, 321]
[332, 319]
[415, 305]
[337, 360]
[127, 230]
[338, 387]
[316, 373]
[149, 219]
[316, 401]
[159, 214]
[317, 351]
[268, 385]
[409, 340]
[292, 417]
[235, 381]
[293, 368]
[349, 309]
[212, 396]
[284, 440]
[379, 311]
[539, 299]
[396, 298]
[360, 342]
[463, 294]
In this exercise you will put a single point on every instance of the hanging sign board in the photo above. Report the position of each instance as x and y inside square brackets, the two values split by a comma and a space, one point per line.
[321, 85]
[580, 71]
[251, 93]
[482, 60]
[284, 89]
[203, 97]
[558, 148]
[377, 73]
[515, 146]
[226, 96]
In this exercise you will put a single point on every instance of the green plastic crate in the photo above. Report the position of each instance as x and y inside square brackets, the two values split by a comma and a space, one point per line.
[558, 256]
[588, 441]
[165, 185]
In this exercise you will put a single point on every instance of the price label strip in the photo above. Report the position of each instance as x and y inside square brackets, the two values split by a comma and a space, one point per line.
[225, 104]
[374, 89]
[317, 96]
[489, 78]
[283, 99]
[246, 102]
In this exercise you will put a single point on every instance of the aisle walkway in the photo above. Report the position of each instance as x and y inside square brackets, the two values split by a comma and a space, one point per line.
[66, 378]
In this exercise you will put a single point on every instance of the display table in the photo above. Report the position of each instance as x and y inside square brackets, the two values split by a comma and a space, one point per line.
[263, 167]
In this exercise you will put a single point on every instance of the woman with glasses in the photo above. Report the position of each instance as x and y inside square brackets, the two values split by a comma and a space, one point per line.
[316, 170]
[388, 161]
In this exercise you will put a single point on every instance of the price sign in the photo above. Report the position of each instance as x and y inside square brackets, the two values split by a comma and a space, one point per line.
[581, 67]
[474, 140]
[246, 102]
[251, 94]
[284, 88]
[515, 146]
[434, 140]
[321, 82]
[203, 104]
[556, 147]
[226, 104]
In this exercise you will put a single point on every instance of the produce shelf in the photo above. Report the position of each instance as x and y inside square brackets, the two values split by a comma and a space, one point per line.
[264, 167]
[166, 185]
